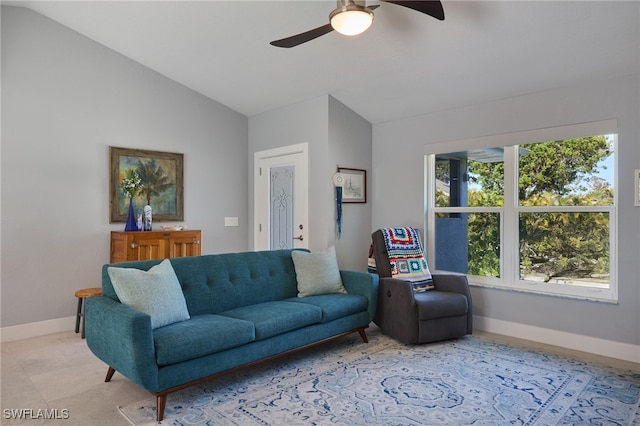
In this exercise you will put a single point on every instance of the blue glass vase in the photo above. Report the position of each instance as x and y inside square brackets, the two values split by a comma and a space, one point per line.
[132, 224]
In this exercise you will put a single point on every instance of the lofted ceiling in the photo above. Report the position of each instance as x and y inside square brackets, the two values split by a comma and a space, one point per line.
[405, 65]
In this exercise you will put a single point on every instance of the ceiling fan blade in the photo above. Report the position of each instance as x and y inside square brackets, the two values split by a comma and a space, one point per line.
[431, 8]
[303, 37]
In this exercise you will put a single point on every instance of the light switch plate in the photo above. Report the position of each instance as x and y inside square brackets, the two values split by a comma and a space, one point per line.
[230, 221]
[636, 186]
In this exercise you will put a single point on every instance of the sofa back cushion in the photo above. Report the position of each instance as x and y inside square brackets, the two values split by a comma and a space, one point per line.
[156, 292]
[220, 282]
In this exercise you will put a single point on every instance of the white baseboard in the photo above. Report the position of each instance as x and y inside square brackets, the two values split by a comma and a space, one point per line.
[594, 345]
[35, 329]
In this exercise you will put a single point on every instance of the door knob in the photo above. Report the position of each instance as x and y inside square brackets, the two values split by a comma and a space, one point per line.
[298, 238]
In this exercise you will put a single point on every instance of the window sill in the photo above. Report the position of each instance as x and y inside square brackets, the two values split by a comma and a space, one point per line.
[591, 294]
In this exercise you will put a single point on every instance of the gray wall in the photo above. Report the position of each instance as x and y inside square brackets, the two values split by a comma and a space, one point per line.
[303, 122]
[617, 98]
[349, 146]
[65, 100]
[336, 136]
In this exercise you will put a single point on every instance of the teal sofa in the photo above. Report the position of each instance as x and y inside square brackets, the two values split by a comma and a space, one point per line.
[243, 309]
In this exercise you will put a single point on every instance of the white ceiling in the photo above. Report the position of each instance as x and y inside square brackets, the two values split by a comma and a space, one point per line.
[405, 65]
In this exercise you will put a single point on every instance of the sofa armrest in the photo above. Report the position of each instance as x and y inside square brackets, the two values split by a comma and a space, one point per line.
[452, 282]
[456, 283]
[397, 309]
[122, 337]
[397, 289]
[364, 284]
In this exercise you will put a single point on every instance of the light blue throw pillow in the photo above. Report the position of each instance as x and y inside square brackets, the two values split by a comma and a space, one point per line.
[317, 273]
[155, 292]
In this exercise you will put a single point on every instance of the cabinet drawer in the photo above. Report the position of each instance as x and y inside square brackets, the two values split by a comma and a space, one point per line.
[140, 245]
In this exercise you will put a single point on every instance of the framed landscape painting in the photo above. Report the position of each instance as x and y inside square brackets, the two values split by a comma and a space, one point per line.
[161, 174]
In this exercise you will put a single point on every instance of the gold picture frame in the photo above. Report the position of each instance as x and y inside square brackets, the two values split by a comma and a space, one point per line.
[162, 179]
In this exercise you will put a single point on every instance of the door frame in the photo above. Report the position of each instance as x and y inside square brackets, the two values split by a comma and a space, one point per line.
[261, 193]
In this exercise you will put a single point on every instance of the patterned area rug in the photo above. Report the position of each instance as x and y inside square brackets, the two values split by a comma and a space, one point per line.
[460, 382]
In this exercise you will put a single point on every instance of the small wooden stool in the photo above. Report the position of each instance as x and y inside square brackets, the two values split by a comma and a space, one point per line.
[81, 295]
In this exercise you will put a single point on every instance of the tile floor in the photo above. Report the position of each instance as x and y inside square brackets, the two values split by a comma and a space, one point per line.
[58, 372]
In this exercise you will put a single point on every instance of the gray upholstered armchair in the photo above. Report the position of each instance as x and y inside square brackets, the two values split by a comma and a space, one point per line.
[445, 312]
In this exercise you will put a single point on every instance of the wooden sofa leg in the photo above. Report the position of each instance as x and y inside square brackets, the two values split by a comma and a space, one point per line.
[110, 373]
[161, 402]
[363, 335]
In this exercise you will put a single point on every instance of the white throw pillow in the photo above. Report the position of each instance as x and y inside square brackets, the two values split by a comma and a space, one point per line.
[155, 292]
[317, 273]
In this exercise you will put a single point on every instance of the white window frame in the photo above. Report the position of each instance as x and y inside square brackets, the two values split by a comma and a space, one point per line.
[509, 214]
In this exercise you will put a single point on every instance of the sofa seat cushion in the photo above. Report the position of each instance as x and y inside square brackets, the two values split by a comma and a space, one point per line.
[273, 318]
[335, 306]
[201, 335]
[439, 304]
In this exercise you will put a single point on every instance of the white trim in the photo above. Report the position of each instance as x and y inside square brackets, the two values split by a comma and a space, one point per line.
[603, 127]
[300, 148]
[578, 342]
[509, 277]
[36, 329]
[298, 155]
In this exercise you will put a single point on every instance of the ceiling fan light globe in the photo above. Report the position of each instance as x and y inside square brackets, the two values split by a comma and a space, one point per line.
[351, 20]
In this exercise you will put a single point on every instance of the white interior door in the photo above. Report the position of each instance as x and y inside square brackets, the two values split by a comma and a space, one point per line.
[281, 186]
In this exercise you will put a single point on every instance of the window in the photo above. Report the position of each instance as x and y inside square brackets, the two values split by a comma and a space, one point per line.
[531, 211]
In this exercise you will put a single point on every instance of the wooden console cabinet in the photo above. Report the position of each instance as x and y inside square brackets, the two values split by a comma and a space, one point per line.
[140, 245]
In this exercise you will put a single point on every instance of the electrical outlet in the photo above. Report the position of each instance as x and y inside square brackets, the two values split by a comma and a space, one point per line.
[230, 221]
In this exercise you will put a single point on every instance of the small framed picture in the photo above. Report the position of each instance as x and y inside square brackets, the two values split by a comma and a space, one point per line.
[354, 185]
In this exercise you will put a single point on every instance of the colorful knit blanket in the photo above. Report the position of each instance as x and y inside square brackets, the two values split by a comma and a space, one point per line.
[371, 261]
[406, 256]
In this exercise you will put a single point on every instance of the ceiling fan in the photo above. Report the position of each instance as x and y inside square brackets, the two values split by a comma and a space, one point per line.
[353, 17]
